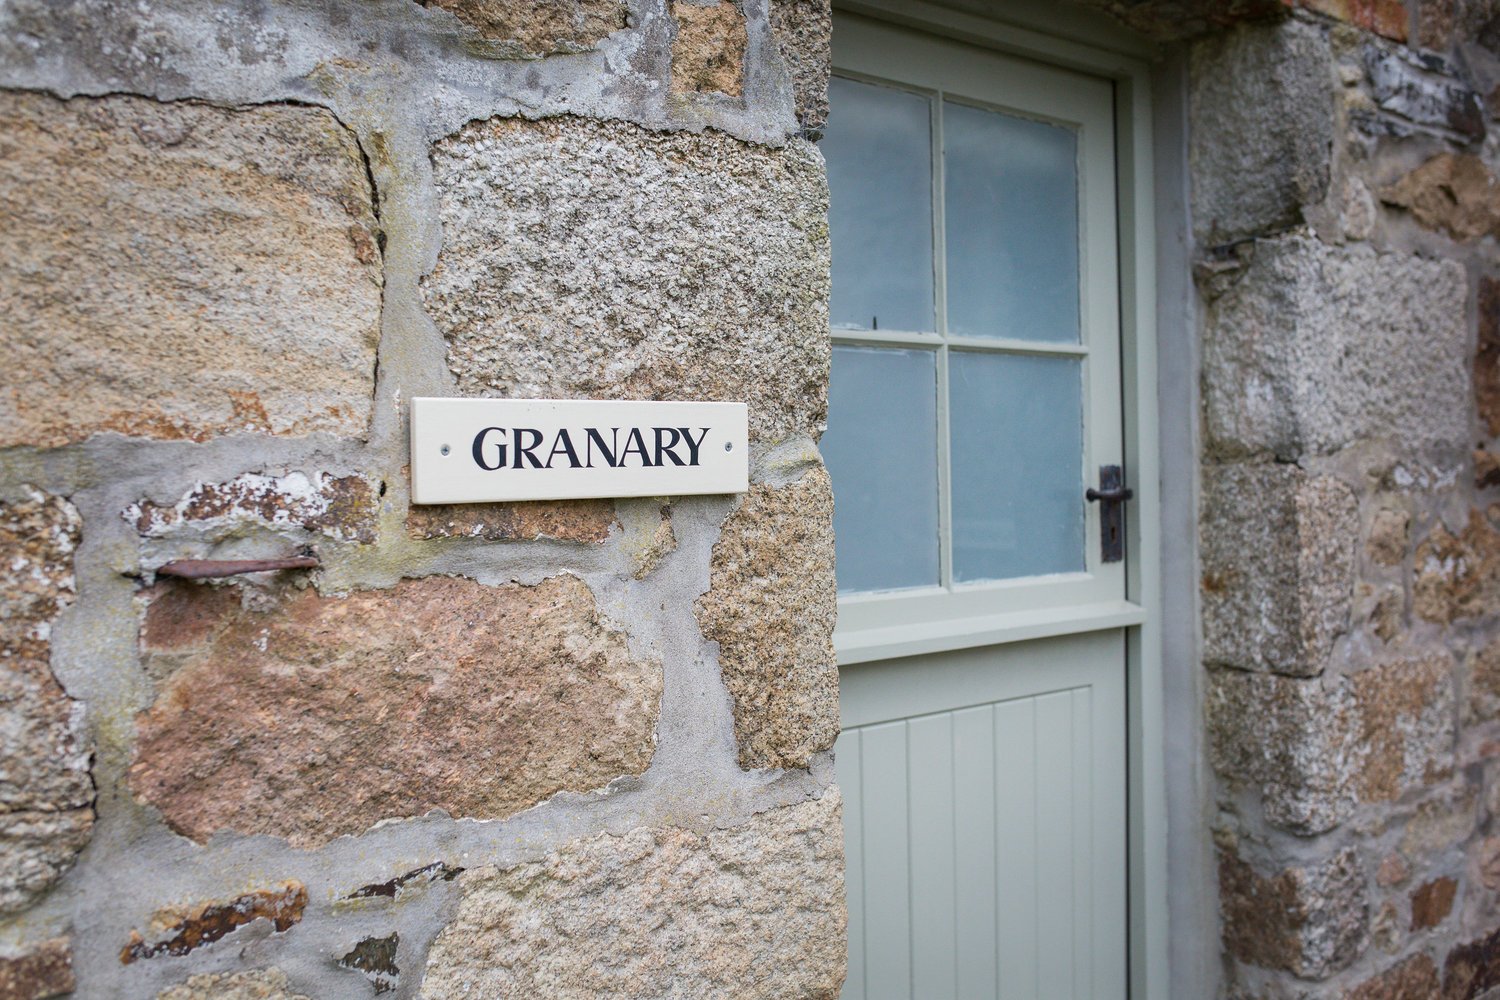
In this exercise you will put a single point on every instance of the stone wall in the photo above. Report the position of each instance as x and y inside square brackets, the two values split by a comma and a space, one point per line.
[560, 749]
[1345, 211]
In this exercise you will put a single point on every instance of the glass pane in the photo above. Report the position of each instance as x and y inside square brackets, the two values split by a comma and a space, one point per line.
[1017, 433]
[881, 450]
[1011, 210]
[879, 151]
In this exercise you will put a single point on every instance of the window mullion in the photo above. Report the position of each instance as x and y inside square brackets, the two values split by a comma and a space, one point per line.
[940, 290]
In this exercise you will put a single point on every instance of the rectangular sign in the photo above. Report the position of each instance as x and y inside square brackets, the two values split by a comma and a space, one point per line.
[473, 450]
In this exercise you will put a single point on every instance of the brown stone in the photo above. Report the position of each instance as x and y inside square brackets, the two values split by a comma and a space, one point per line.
[177, 932]
[754, 912]
[321, 716]
[1384, 17]
[46, 794]
[1483, 689]
[771, 606]
[345, 507]
[1387, 929]
[708, 51]
[1393, 871]
[1453, 193]
[587, 522]
[539, 29]
[1440, 823]
[1388, 537]
[803, 30]
[258, 984]
[183, 271]
[1405, 734]
[601, 260]
[1431, 903]
[1435, 21]
[1486, 467]
[1458, 576]
[36, 973]
[1472, 968]
[1310, 921]
[1487, 358]
[1414, 979]
[1278, 566]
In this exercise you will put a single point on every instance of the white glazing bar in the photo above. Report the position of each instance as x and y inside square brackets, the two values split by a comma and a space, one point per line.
[868, 338]
[940, 285]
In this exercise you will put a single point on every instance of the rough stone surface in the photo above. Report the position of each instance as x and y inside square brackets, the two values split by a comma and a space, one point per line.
[1472, 968]
[321, 716]
[183, 271]
[1384, 17]
[1440, 823]
[804, 33]
[539, 29]
[259, 984]
[1389, 535]
[771, 607]
[46, 794]
[1424, 90]
[343, 507]
[176, 932]
[45, 970]
[1458, 576]
[1453, 193]
[1316, 751]
[585, 258]
[1487, 358]
[1315, 346]
[1414, 979]
[1483, 689]
[1405, 731]
[1486, 469]
[1432, 902]
[1278, 566]
[1309, 920]
[585, 521]
[708, 52]
[1262, 111]
[755, 912]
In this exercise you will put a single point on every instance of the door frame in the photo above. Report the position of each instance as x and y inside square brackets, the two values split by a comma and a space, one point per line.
[1041, 32]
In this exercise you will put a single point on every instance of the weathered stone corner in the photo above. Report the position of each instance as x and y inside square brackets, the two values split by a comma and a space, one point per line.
[1309, 920]
[1263, 110]
[771, 606]
[1315, 347]
[321, 716]
[754, 911]
[1278, 566]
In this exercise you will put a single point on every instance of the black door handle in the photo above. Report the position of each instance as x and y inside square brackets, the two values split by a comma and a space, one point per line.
[1112, 493]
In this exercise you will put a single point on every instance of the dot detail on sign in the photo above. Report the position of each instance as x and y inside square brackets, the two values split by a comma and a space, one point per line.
[729, 446]
[445, 449]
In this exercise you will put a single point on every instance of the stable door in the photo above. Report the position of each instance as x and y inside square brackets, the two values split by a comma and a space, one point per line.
[974, 440]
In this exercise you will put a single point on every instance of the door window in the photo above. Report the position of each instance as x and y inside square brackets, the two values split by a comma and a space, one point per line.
[975, 364]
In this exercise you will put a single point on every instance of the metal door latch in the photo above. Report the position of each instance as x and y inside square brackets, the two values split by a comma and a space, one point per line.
[1112, 494]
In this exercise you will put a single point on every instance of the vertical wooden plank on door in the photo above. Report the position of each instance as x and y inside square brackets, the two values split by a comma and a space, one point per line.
[1084, 852]
[886, 852]
[974, 840]
[1055, 917]
[930, 766]
[1016, 849]
[847, 754]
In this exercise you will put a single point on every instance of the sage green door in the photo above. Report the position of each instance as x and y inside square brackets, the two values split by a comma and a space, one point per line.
[975, 395]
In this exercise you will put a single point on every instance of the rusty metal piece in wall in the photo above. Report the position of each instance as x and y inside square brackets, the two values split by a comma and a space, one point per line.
[208, 569]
